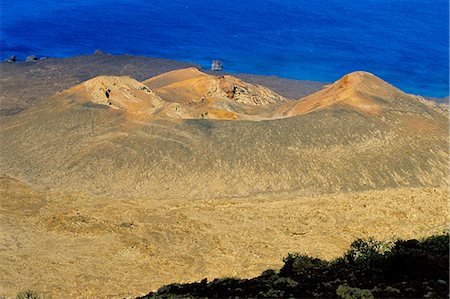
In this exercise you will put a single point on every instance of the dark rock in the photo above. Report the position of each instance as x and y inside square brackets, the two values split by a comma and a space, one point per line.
[31, 58]
[13, 58]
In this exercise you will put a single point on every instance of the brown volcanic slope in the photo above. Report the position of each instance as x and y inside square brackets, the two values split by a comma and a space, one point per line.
[205, 96]
[113, 138]
[362, 92]
[24, 84]
[191, 85]
[357, 134]
[120, 93]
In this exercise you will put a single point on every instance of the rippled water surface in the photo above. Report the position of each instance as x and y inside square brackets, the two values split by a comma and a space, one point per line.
[403, 41]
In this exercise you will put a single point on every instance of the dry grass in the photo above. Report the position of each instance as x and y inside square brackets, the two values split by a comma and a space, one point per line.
[81, 246]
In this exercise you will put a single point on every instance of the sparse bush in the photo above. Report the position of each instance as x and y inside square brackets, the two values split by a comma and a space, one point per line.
[404, 269]
[297, 264]
[272, 294]
[268, 273]
[346, 292]
[412, 259]
[368, 250]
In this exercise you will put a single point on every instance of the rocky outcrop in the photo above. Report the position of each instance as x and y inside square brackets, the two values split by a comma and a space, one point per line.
[31, 58]
[207, 96]
[119, 93]
[11, 59]
[99, 52]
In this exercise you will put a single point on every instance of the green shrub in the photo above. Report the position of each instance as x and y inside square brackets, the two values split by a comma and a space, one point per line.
[346, 292]
[407, 269]
[272, 294]
[414, 259]
[438, 243]
[268, 273]
[367, 251]
[297, 264]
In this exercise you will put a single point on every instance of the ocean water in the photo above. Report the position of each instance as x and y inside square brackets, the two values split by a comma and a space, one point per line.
[405, 42]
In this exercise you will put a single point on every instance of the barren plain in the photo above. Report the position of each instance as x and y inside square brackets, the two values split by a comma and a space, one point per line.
[78, 246]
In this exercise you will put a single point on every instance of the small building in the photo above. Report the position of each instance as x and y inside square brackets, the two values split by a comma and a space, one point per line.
[216, 65]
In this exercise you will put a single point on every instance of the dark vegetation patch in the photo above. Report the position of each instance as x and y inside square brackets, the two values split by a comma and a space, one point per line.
[369, 269]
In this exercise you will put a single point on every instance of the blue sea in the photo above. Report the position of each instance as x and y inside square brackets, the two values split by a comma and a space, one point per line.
[405, 42]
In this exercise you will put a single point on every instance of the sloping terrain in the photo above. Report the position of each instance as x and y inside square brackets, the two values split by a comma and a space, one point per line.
[362, 92]
[191, 85]
[200, 95]
[25, 84]
[123, 93]
[70, 145]
[114, 187]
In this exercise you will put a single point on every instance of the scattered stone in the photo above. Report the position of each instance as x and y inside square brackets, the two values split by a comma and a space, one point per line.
[11, 59]
[216, 65]
[31, 58]
[126, 224]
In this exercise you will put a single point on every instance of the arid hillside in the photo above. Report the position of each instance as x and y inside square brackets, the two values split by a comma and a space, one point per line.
[363, 92]
[115, 136]
[24, 84]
